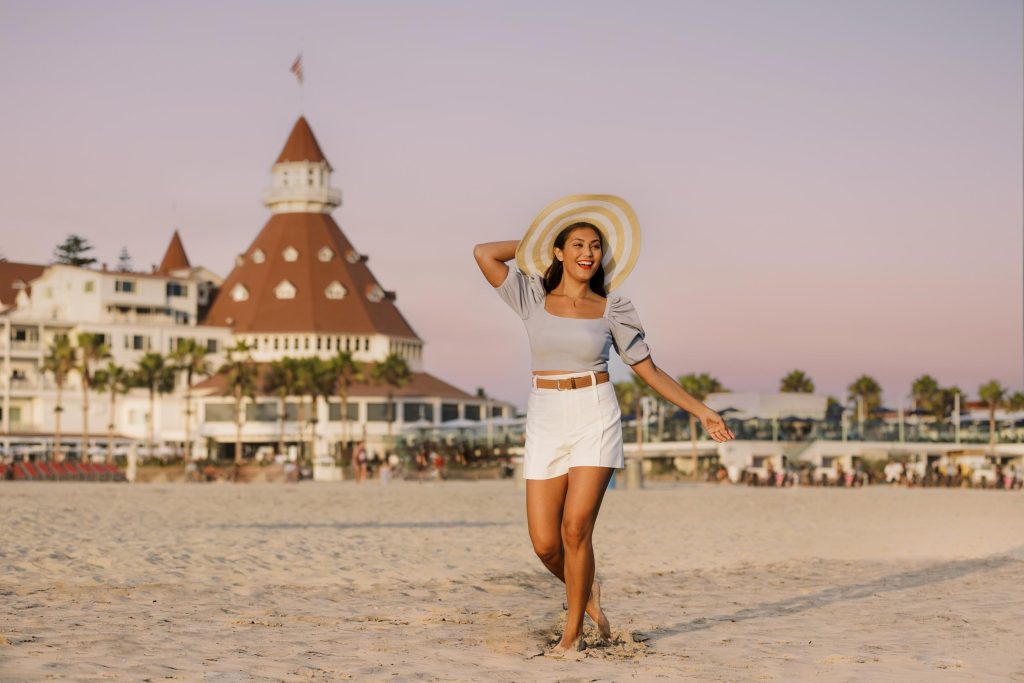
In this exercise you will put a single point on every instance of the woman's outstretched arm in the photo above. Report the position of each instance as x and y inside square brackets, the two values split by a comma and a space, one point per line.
[670, 390]
[491, 257]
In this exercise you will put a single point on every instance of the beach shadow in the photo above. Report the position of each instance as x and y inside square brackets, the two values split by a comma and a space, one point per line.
[915, 578]
[358, 525]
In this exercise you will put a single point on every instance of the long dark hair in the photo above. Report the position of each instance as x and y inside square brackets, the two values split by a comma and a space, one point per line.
[553, 276]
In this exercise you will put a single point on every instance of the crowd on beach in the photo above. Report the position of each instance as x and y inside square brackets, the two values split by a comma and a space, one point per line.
[935, 475]
[427, 462]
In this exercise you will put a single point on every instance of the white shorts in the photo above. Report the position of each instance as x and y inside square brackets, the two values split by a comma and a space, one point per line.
[572, 428]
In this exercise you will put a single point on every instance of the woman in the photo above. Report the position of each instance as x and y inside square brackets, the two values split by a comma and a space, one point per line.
[573, 429]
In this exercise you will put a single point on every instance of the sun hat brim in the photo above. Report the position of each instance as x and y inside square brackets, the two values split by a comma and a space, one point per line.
[612, 215]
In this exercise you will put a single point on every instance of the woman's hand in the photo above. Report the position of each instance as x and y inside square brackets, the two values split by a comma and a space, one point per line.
[714, 425]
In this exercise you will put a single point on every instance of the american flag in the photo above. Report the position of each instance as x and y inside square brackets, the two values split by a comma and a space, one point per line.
[297, 68]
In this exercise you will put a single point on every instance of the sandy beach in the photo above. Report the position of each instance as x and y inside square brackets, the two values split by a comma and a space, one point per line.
[437, 581]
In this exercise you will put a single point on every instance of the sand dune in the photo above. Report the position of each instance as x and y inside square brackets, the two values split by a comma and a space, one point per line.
[438, 582]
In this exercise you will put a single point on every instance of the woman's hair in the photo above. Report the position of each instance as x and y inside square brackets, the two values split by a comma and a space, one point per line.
[554, 273]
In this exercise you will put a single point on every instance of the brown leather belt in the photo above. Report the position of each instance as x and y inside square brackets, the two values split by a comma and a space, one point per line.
[578, 382]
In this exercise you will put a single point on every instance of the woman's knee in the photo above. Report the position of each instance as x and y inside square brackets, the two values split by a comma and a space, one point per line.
[548, 549]
[576, 531]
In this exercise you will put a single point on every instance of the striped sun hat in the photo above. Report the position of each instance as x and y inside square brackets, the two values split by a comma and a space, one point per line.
[612, 215]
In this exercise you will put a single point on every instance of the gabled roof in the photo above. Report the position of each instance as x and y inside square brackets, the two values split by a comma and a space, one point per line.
[175, 257]
[309, 252]
[14, 277]
[422, 384]
[301, 145]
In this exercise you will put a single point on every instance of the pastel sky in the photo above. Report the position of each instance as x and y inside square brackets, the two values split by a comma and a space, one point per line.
[830, 186]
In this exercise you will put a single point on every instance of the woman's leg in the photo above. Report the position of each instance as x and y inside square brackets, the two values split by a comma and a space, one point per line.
[585, 491]
[545, 500]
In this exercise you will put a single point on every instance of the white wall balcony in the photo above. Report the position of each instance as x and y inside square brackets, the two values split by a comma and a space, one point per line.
[296, 196]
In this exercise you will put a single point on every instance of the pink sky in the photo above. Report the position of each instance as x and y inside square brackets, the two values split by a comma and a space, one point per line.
[834, 187]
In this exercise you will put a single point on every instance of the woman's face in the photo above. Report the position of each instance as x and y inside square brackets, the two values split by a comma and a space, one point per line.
[582, 253]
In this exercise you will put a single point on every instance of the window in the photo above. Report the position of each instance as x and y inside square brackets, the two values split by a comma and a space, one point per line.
[136, 342]
[377, 412]
[89, 286]
[335, 290]
[472, 412]
[211, 346]
[335, 411]
[284, 290]
[290, 254]
[124, 286]
[325, 254]
[239, 292]
[449, 411]
[496, 411]
[411, 412]
[261, 412]
[177, 289]
[258, 256]
[219, 412]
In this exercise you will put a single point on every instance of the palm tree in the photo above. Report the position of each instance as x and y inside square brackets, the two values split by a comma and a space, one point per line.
[321, 383]
[305, 387]
[394, 372]
[281, 379]
[630, 394]
[945, 401]
[699, 386]
[868, 394]
[189, 358]
[348, 372]
[241, 379]
[154, 374]
[91, 347]
[797, 382]
[116, 380]
[59, 361]
[927, 395]
[994, 394]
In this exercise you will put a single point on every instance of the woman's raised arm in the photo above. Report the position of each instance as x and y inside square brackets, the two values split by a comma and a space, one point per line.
[491, 257]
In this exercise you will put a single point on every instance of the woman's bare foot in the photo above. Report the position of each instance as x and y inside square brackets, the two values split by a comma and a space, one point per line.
[596, 614]
[567, 649]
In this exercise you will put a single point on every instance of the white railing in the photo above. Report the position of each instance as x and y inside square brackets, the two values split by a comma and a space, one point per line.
[324, 195]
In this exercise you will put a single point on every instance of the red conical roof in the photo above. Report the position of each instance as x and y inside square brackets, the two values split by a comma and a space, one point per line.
[175, 257]
[301, 145]
[309, 252]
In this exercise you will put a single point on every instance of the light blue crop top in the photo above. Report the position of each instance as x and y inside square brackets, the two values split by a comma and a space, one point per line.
[572, 344]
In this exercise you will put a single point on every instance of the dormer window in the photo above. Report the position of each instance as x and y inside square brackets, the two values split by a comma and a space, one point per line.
[284, 290]
[239, 292]
[374, 293]
[336, 290]
[258, 256]
[290, 254]
[325, 254]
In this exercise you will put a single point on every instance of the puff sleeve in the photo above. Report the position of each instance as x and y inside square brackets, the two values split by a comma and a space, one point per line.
[627, 332]
[521, 292]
